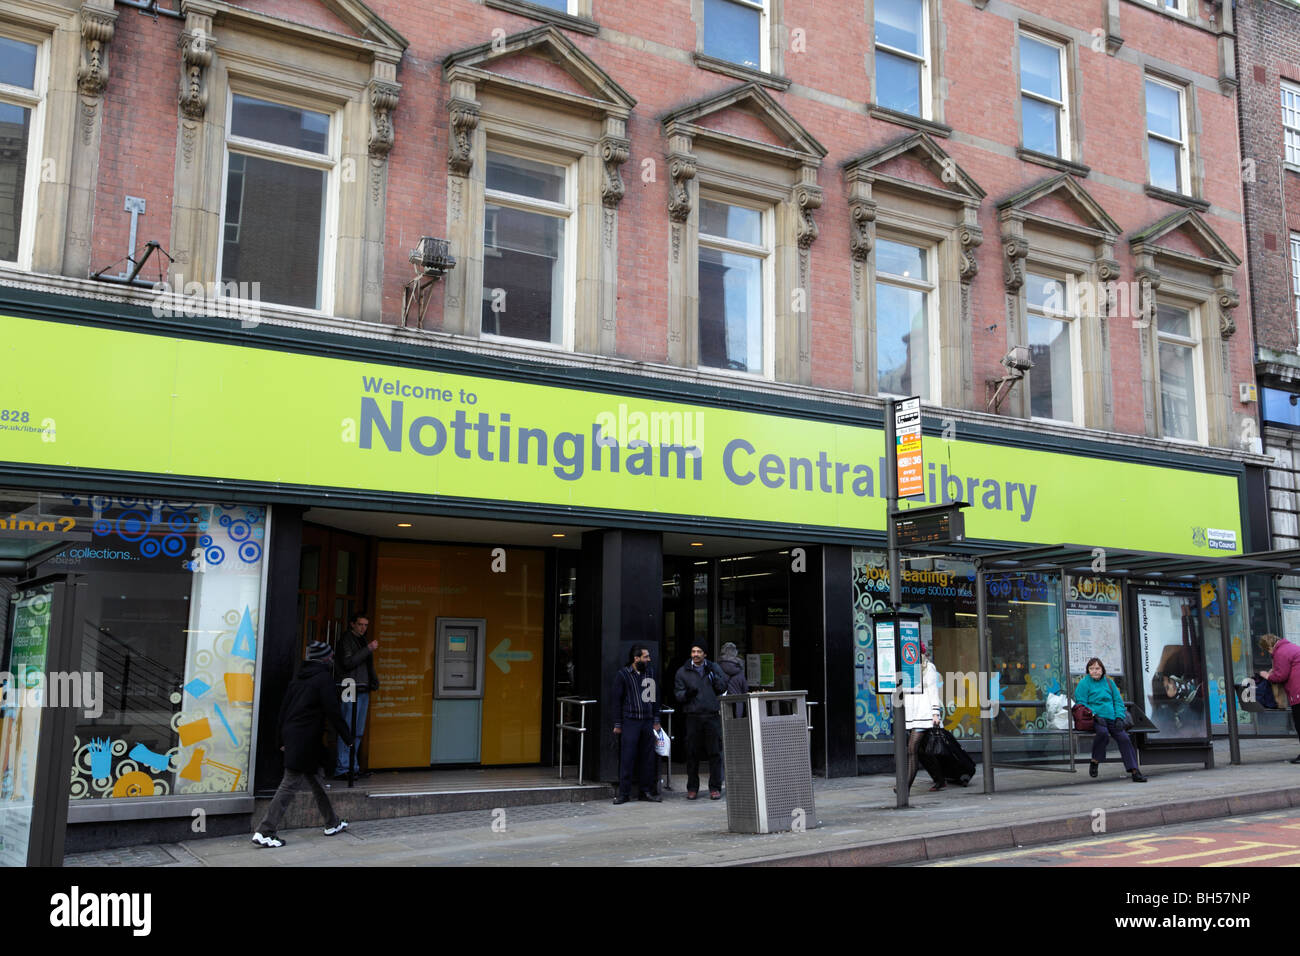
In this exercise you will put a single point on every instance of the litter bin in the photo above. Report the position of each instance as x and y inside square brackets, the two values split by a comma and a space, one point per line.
[769, 772]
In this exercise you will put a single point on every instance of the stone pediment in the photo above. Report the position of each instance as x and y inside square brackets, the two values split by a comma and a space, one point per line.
[1187, 238]
[540, 61]
[744, 116]
[915, 163]
[1059, 202]
[347, 20]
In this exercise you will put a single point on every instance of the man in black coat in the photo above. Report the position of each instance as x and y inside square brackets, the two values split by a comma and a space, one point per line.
[697, 687]
[311, 700]
[356, 663]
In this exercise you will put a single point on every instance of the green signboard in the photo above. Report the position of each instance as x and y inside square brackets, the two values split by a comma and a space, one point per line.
[84, 397]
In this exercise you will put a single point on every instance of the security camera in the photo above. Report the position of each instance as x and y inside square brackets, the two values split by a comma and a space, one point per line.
[1018, 360]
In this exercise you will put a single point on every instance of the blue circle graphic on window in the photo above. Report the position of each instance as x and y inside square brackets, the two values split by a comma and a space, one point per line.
[239, 530]
[149, 547]
[250, 551]
[103, 528]
[214, 555]
[205, 541]
[132, 526]
[173, 545]
[178, 522]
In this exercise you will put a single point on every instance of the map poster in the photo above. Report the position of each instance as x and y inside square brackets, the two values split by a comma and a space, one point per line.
[1093, 630]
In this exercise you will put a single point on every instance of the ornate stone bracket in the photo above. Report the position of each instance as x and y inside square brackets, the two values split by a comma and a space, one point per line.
[1148, 280]
[970, 237]
[196, 56]
[464, 119]
[383, 100]
[96, 32]
[863, 213]
[1014, 248]
[807, 198]
[1228, 300]
[682, 168]
[614, 151]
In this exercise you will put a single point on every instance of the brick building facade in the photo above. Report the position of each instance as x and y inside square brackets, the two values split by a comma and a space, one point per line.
[768, 214]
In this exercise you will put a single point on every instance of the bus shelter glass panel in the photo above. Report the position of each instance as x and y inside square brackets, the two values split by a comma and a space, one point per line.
[1026, 654]
[942, 591]
[25, 643]
[1280, 722]
[1219, 681]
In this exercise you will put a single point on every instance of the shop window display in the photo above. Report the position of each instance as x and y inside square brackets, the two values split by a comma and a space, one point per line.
[942, 591]
[170, 605]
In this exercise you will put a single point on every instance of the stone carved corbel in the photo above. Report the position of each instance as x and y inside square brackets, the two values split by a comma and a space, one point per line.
[863, 213]
[196, 56]
[681, 167]
[464, 120]
[807, 198]
[1015, 248]
[1148, 279]
[614, 152]
[1228, 300]
[970, 237]
[96, 32]
[383, 100]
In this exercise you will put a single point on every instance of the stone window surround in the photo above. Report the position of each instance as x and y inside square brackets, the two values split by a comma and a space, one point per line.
[1192, 163]
[768, 270]
[782, 179]
[566, 128]
[577, 17]
[226, 49]
[1073, 79]
[73, 72]
[1049, 269]
[1030, 241]
[945, 220]
[34, 99]
[929, 241]
[932, 96]
[772, 73]
[1203, 284]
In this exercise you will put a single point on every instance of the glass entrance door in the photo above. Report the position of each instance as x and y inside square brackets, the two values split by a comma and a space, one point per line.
[333, 583]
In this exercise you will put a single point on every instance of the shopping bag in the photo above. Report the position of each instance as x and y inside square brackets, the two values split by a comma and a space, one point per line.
[663, 744]
[1083, 718]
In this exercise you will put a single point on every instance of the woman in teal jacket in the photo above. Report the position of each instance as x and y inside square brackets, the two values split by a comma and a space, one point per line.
[1099, 694]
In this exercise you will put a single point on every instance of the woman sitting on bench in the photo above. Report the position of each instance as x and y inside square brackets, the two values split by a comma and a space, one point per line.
[1099, 694]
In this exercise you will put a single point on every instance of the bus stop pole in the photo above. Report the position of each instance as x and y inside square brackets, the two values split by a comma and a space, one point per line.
[986, 720]
[1229, 690]
[895, 599]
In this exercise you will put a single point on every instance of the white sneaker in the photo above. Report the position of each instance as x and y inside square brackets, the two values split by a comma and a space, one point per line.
[337, 828]
[267, 841]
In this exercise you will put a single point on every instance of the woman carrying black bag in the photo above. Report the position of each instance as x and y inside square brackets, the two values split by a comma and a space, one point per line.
[1099, 694]
[923, 712]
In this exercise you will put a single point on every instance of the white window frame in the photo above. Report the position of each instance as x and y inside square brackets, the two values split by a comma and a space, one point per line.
[1184, 150]
[1170, 6]
[327, 162]
[1198, 371]
[765, 255]
[764, 8]
[33, 99]
[931, 288]
[1295, 281]
[1065, 145]
[926, 66]
[1291, 130]
[566, 211]
[1072, 318]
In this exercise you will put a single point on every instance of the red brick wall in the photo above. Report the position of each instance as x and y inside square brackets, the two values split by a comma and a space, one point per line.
[831, 85]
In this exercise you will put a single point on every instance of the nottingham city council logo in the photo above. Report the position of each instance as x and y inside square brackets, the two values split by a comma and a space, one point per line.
[1198, 537]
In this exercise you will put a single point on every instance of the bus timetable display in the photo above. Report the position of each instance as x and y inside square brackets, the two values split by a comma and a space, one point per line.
[929, 526]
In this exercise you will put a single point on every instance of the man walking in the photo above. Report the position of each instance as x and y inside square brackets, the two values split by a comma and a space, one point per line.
[636, 710]
[697, 687]
[310, 701]
[356, 662]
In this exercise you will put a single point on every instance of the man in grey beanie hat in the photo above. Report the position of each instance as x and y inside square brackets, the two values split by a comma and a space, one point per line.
[310, 701]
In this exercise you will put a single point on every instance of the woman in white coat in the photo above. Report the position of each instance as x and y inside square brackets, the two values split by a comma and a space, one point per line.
[923, 711]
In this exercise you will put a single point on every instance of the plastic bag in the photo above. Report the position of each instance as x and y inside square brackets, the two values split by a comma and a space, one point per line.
[1057, 712]
[663, 743]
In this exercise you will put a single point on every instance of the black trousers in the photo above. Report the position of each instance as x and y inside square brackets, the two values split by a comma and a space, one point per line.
[636, 763]
[703, 738]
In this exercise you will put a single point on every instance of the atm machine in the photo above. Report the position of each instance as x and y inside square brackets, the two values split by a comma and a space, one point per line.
[458, 690]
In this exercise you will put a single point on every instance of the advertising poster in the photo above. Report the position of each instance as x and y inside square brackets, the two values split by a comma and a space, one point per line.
[1172, 683]
[909, 654]
[20, 725]
[886, 678]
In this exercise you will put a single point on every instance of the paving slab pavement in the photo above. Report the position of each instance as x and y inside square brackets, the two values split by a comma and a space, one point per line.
[858, 823]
